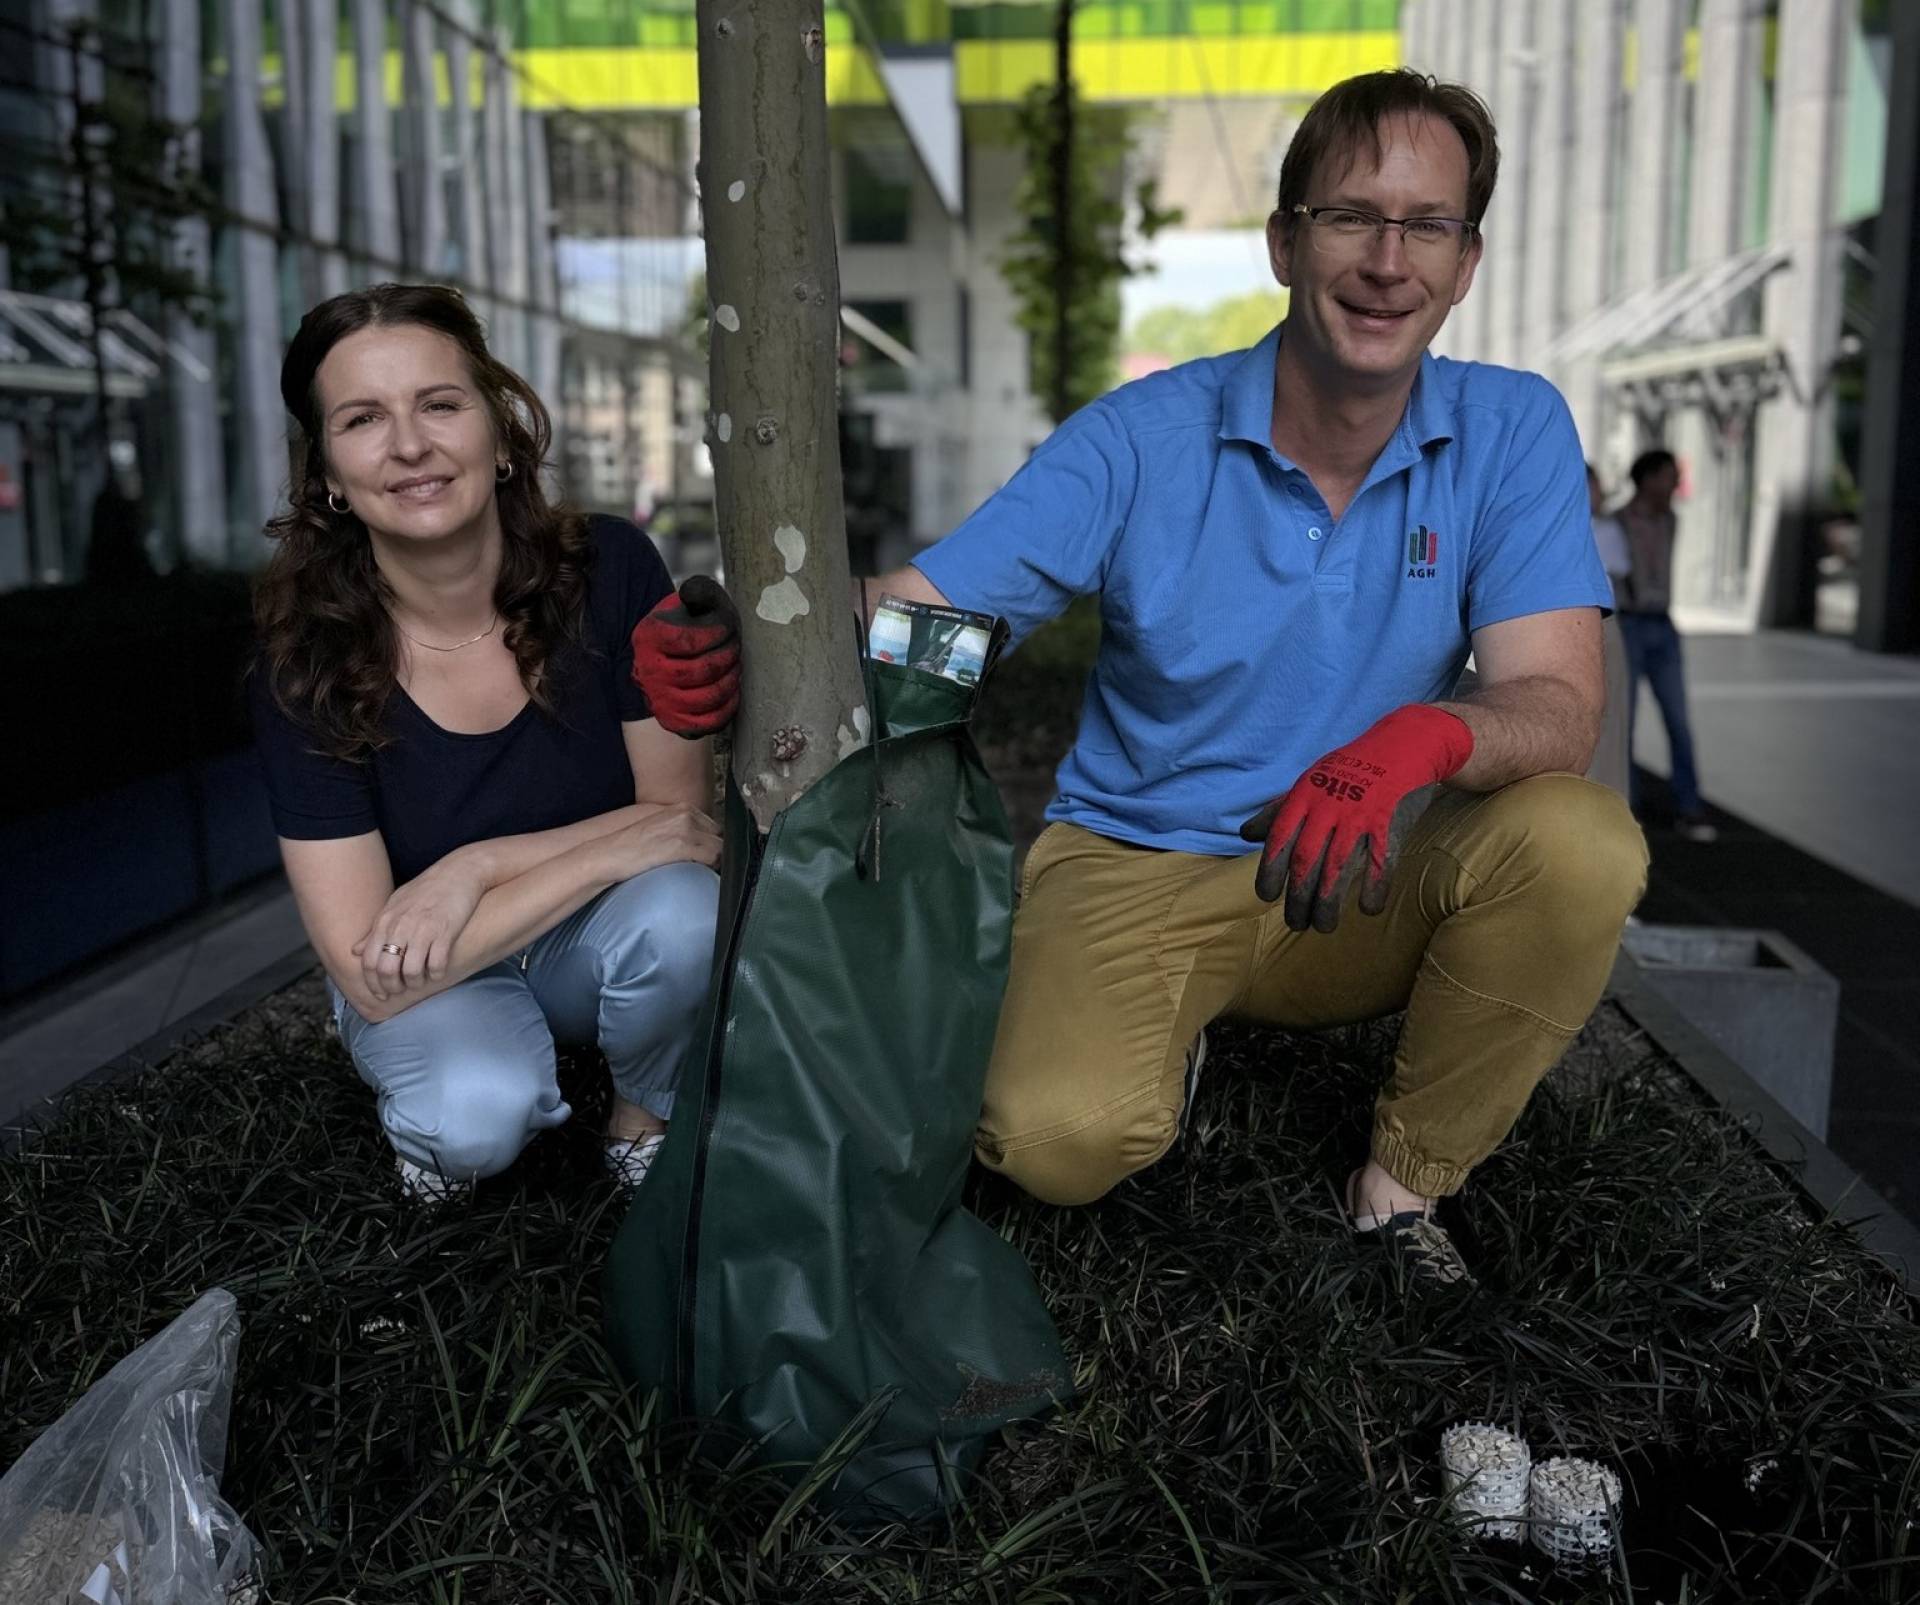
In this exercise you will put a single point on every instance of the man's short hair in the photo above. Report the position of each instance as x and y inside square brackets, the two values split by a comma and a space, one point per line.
[1345, 121]
[1649, 463]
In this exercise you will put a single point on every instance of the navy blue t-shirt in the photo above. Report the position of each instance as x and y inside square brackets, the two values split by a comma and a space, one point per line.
[431, 790]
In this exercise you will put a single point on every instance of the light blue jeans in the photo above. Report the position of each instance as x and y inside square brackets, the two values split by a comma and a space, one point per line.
[467, 1077]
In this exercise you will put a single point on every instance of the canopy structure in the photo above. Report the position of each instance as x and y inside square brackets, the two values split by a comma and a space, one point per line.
[46, 347]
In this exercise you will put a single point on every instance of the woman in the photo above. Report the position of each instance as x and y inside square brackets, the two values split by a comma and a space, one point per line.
[491, 842]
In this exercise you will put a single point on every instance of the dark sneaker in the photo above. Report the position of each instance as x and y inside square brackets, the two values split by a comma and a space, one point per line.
[1423, 1245]
[1196, 1057]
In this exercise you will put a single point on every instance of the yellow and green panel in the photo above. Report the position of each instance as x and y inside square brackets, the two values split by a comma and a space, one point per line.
[601, 55]
[607, 54]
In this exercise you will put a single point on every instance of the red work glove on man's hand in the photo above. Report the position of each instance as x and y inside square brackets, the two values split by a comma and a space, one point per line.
[686, 658]
[1338, 816]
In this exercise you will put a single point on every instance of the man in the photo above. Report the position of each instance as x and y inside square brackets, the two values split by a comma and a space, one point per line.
[1294, 549]
[1653, 644]
[1613, 758]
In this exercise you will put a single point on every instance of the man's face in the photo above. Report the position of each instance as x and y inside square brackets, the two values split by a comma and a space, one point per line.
[1660, 485]
[1371, 306]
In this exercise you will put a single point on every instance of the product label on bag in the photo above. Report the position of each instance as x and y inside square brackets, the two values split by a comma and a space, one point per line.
[946, 641]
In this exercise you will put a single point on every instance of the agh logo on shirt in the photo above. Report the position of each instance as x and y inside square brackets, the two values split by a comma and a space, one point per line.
[1423, 553]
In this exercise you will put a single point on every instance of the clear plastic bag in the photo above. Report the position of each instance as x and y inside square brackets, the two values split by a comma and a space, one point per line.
[118, 1502]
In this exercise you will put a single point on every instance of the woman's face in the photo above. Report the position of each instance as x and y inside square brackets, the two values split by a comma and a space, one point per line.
[407, 437]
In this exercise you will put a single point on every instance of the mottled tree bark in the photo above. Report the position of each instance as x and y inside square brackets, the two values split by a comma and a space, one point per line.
[773, 283]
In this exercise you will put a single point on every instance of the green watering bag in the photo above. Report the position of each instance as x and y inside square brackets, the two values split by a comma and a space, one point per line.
[797, 1263]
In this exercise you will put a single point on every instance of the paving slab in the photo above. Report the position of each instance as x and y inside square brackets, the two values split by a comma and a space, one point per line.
[100, 1015]
[1814, 742]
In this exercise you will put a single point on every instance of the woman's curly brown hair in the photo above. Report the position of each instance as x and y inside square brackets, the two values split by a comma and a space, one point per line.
[327, 641]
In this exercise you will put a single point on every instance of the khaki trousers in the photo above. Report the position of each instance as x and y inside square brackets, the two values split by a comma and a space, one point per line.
[1498, 937]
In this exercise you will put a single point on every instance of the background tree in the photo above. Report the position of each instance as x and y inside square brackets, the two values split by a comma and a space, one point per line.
[92, 211]
[773, 282]
[1065, 262]
[1181, 333]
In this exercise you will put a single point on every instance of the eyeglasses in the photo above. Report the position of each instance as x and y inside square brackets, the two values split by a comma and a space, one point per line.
[1344, 230]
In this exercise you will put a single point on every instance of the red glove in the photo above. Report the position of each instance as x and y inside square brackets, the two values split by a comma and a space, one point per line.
[1346, 800]
[686, 658]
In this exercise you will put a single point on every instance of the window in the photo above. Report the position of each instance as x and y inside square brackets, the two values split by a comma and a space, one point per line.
[966, 338]
[879, 182]
[871, 370]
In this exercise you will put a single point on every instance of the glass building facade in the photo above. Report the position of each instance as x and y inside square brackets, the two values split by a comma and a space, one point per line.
[263, 154]
[237, 161]
[1682, 241]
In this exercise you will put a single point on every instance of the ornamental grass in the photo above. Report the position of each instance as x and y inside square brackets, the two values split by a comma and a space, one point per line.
[425, 1411]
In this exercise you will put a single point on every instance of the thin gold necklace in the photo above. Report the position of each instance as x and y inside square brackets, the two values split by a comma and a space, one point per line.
[457, 645]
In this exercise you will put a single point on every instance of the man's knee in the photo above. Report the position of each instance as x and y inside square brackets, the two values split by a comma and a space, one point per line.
[1077, 1160]
[1577, 840]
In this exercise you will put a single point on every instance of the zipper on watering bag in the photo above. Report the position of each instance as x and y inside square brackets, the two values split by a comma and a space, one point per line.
[703, 1135]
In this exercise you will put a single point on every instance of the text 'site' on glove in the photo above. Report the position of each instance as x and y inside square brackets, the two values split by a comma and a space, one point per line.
[686, 658]
[1337, 819]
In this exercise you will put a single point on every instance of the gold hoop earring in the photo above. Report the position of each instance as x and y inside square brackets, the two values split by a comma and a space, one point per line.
[338, 504]
[502, 472]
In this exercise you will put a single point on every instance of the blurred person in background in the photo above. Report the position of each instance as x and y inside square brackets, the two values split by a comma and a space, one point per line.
[1613, 756]
[117, 533]
[492, 843]
[1653, 644]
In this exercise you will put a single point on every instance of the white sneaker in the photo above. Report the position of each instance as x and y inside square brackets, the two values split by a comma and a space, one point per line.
[423, 1186]
[628, 1159]
[1696, 828]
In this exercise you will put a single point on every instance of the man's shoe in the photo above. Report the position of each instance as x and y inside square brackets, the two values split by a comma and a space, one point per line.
[1415, 1236]
[423, 1186]
[1423, 1245]
[1696, 828]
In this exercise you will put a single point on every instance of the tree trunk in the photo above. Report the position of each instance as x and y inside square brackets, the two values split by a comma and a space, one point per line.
[773, 286]
[1063, 285]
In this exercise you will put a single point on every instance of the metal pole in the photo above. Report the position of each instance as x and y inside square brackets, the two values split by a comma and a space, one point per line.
[81, 39]
[1889, 618]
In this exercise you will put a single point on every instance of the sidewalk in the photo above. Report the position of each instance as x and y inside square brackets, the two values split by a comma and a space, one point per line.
[1810, 754]
[51, 1043]
[1812, 741]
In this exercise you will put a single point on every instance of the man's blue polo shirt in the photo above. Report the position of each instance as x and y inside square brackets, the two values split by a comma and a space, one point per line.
[1243, 631]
